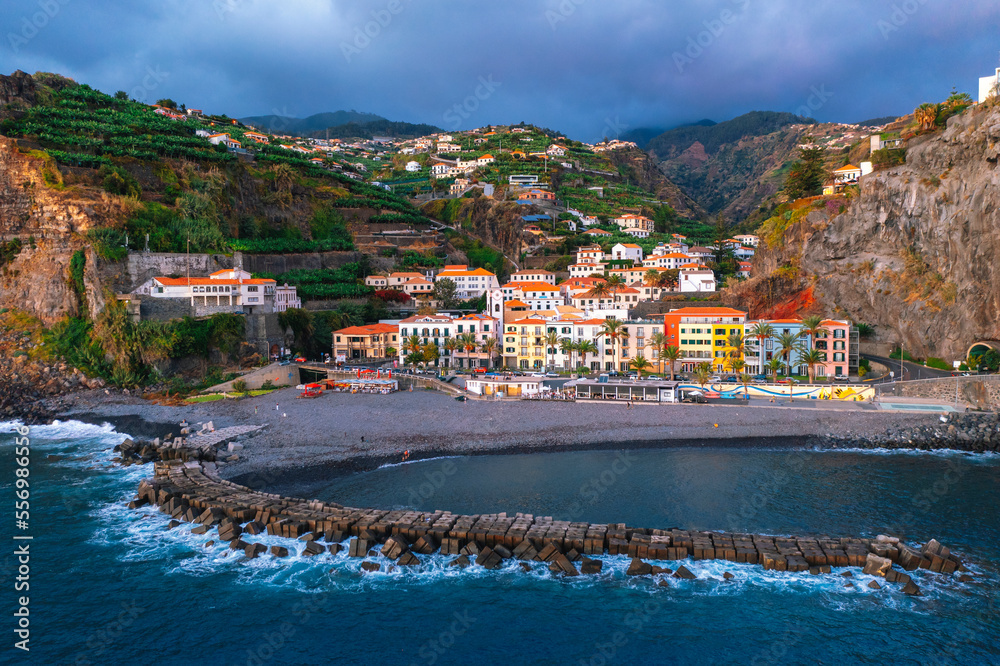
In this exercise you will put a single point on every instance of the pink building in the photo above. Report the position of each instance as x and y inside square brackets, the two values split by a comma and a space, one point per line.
[835, 343]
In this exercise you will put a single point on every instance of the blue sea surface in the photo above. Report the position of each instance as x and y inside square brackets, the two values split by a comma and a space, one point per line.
[111, 585]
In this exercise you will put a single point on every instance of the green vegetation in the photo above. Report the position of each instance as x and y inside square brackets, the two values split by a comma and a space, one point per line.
[109, 244]
[806, 176]
[9, 250]
[940, 364]
[77, 264]
[126, 353]
[326, 284]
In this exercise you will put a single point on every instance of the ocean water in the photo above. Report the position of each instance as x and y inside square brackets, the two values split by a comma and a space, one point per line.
[110, 585]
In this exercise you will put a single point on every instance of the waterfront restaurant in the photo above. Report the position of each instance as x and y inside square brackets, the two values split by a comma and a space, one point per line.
[509, 387]
[631, 391]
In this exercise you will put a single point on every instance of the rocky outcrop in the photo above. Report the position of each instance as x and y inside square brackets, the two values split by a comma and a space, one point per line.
[17, 90]
[917, 252]
[49, 219]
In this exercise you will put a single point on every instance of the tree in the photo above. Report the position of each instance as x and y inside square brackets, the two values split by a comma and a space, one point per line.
[413, 359]
[585, 347]
[489, 347]
[122, 95]
[430, 353]
[812, 358]
[774, 365]
[640, 364]
[451, 345]
[664, 219]
[444, 292]
[300, 321]
[761, 332]
[926, 114]
[613, 330]
[551, 341]
[787, 343]
[616, 283]
[737, 365]
[672, 354]
[468, 343]
[567, 346]
[807, 175]
[600, 290]
[668, 279]
[167, 102]
[426, 310]
[412, 344]
[745, 380]
[658, 342]
[735, 348]
[702, 372]
[812, 327]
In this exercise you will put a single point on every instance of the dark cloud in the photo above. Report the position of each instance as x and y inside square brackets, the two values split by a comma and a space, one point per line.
[583, 66]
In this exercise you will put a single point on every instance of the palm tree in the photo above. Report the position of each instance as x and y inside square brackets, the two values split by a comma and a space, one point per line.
[551, 340]
[774, 365]
[812, 327]
[585, 347]
[735, 349]
[615, 284]
[640, 364]
[451, 345]
[702, 372]
[672, 354]
[651, 277]
[926, 114]
[737, 365]
[760, 332]
[567, 346]
[787, 343]
[412, 344]
[488, 347]
[613, 330]
[658, 342]
[600, 289]
[467, 341]
[812, 358]
[745, 380]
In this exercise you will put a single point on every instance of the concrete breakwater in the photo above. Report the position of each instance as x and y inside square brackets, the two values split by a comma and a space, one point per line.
[192, 492]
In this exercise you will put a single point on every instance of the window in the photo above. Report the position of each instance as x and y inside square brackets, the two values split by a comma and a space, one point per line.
[252, 288]
[720, 331]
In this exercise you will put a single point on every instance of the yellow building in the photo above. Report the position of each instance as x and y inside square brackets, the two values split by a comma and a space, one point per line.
[703, 333]
[524, 344]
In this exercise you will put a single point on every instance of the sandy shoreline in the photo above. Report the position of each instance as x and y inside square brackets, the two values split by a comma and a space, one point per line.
[311, 439]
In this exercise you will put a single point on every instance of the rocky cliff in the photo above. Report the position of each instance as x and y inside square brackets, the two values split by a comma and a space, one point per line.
[916, 252]
[48, 219]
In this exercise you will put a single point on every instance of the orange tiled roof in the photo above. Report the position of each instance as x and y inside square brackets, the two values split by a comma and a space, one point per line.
[371, 329]
[181, 282]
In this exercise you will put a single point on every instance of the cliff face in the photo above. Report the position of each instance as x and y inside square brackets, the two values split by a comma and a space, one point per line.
[38, 278]
[917, 252]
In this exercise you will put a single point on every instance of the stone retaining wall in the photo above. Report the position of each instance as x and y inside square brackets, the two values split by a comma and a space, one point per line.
[983, 391]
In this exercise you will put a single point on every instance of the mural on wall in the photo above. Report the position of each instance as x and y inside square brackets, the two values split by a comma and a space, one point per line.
[811, 392]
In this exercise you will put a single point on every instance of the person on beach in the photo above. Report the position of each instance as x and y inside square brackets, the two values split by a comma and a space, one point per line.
[255, 410]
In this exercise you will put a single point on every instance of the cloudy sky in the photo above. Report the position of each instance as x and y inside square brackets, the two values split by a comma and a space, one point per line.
[586, 67]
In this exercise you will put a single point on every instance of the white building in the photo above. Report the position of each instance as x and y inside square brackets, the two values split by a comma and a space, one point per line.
[748, 239]
[988, 86]
[696, 280]
[533, 275]
[286, 297]
[635, 222]
[627, 252]
[413, 166]
[225, 139]
[469, 283]
[439, 169]
[226, 290]
[432, 330]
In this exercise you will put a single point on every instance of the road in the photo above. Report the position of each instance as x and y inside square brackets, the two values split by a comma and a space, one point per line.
[909, 370]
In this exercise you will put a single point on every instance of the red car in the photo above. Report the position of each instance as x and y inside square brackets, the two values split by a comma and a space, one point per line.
[300, 359]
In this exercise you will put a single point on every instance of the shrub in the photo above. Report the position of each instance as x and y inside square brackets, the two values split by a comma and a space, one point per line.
[118, 181]
[240, 386]
[938, 363]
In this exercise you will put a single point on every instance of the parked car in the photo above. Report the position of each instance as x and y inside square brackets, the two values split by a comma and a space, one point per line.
[551, 374]
[760, 378]
[654, 377]
[695, 398]
[730, 378]
[481, 371]
[300, 359]
[715, 378]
